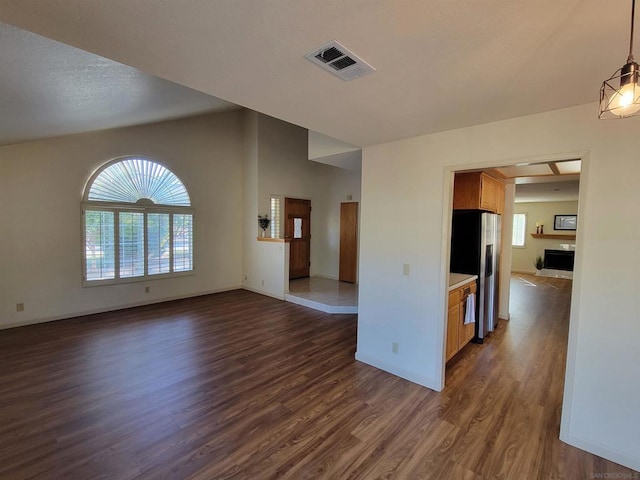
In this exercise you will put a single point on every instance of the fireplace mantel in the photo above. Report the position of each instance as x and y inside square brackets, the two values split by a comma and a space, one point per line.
[554, 236]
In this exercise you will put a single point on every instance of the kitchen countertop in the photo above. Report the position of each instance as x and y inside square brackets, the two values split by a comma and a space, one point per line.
[458, 279]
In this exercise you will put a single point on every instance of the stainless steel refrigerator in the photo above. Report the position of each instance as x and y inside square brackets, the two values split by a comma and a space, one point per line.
[475, 250]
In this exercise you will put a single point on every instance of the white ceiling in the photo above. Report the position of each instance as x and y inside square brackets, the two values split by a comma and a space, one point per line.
[439, 64]
[562, 191]
[553, 180]
[49, 89]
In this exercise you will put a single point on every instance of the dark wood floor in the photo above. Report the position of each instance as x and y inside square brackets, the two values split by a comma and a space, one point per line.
[237, 385]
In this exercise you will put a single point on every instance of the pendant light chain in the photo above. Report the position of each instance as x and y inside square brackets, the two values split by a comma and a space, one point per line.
[633, 16]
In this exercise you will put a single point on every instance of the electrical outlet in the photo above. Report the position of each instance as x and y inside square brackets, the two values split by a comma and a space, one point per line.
[146, 289]
[19, 307]
[405, 269]
[395, 347]
[263, 283]
[244, 279]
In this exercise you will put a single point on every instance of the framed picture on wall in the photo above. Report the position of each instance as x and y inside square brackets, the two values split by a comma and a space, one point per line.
[565, 222]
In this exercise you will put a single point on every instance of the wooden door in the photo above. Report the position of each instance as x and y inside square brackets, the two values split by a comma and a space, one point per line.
[468, 331]
[297, 230]
[348, 242]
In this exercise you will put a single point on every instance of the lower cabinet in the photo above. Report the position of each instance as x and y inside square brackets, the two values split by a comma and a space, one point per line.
[459, 334]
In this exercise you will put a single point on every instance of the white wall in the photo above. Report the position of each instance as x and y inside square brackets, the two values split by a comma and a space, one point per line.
[405, 209]
[265, 264]
[543, 213]
[277, 155]
[339, 185]
[506, 256]
[41, 187]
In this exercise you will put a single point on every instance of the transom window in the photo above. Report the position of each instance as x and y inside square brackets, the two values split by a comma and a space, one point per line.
[137, 223]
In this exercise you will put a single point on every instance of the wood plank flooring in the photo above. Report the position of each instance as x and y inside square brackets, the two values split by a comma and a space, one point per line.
[238, 385]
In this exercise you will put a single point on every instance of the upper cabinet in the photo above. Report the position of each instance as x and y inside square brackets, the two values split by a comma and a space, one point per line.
[478, 191]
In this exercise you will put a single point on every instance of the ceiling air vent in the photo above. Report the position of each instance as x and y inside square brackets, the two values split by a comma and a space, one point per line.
[341, 62]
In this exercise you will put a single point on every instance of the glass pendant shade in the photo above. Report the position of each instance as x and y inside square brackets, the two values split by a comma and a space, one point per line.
[620, 95]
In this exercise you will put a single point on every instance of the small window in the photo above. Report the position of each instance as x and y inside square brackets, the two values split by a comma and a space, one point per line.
[275, 216]
[297, 227]
[519, 229]
[137, 223]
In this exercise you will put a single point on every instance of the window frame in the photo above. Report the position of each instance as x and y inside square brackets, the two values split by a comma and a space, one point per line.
[524, 231]
[145, 207]
[116, 209]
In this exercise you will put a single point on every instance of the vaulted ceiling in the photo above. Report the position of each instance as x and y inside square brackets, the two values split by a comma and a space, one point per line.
[439, 64]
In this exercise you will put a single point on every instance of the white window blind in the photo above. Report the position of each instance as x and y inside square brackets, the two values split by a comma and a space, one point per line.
[519, 229]
[131, 241]
[98, 245]
[182, 242]
[275, 216]
[132, 179]
[137, 223]
[158, 243]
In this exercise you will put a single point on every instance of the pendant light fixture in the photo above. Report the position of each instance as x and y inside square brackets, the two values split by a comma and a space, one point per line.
[620, 94]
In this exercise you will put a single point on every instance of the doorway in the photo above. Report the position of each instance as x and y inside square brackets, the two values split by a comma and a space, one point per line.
[297, 231]
[547, 188]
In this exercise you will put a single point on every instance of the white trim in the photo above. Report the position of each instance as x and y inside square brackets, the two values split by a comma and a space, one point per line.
[574, 318]
[263, 292]
[400, 372]
[574, 312]
[602, 451]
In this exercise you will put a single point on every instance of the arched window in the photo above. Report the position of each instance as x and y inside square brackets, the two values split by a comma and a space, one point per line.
[137, 223]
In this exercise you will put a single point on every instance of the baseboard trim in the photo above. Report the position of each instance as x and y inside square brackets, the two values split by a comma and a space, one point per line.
[399, 372]
[602, 451]
[263, 292]
[116, 308]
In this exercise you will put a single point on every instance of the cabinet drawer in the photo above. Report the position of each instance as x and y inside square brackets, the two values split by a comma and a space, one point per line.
[466, 290]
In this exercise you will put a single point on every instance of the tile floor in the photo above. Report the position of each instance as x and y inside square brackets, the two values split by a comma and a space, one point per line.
[324, 294]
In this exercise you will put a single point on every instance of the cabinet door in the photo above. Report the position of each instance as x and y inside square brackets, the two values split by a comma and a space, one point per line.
[466, 191]
[487, 193]
[467, 332]
[453, 321]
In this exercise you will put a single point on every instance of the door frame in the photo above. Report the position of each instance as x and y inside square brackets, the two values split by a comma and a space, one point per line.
[448, 181]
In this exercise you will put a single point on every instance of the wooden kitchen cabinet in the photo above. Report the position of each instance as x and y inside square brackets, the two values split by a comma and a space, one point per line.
[459, 334]
[478, 191]
[453, 318]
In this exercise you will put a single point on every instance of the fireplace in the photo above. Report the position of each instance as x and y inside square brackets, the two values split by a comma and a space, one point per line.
[559, 259]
